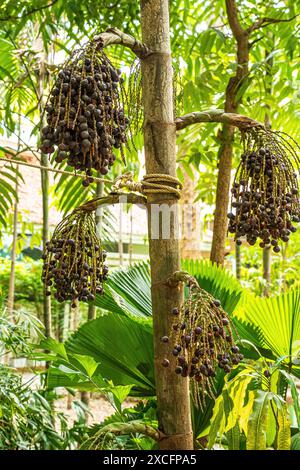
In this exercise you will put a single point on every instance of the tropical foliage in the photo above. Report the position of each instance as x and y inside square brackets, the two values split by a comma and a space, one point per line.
[126, 359]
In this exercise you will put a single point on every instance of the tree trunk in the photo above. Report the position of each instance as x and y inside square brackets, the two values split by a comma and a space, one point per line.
[173, 397]
[267, 254]
[238, 261]
[225, 154]
[130, 244]
[120, 243]
[267, 270]
[41, 85]
[11, 288]
[45, 237]
[217, 254]
[85, 396]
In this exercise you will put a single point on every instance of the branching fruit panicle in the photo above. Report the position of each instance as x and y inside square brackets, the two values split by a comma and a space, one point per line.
[265, 194]
[85, 117]
[74, 260]
[201, 341]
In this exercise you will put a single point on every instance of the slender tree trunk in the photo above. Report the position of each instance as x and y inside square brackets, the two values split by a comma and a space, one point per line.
[85, 396]
[238, 261]
[222, 196]
[45, 237]
[267, 254]
[42, 83]
[130, 246]
[67, 309]
[75, 315]
[267, 270]
[120, 244]
[283, 267]
[11, 288]
[227, 134]
[173, 397]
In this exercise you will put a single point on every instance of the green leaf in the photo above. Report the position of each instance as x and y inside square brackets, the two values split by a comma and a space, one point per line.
[217, 422]
[87, 362]
[284, 433]
[122, 345]
[54, 346]
[271, 429]
[295, 442]
[233, 434]
[274, 325]
[258, 422]
[120, 393]
[294, 393]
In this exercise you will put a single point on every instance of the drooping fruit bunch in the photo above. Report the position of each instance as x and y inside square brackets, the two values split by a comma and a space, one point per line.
[201, 341]
[74, 260]
[265, 193]
[85, 118]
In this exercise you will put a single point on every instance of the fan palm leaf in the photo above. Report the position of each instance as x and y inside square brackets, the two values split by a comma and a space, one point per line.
[276, 323]
[9, 175]
[122, 345]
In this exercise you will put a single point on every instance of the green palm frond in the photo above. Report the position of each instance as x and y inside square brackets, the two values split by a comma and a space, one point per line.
[273, 324]
[128, 291]
[8, 178]
[122, 345]
[217, 281]
[69, 193]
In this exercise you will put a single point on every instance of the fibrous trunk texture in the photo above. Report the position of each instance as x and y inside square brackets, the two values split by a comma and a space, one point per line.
[160, 152]
[232, 102]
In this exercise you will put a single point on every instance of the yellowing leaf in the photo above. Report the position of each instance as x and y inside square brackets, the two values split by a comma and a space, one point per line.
[284, 433]
[258, 422]
[217, 422]
[246, 411]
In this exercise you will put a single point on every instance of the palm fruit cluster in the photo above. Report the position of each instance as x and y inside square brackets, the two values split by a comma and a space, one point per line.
[74, 260]
[265, 193]
[85, 119]
[201, 341]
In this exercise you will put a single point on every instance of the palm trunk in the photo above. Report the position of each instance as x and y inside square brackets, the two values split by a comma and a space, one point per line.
[173, 399]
